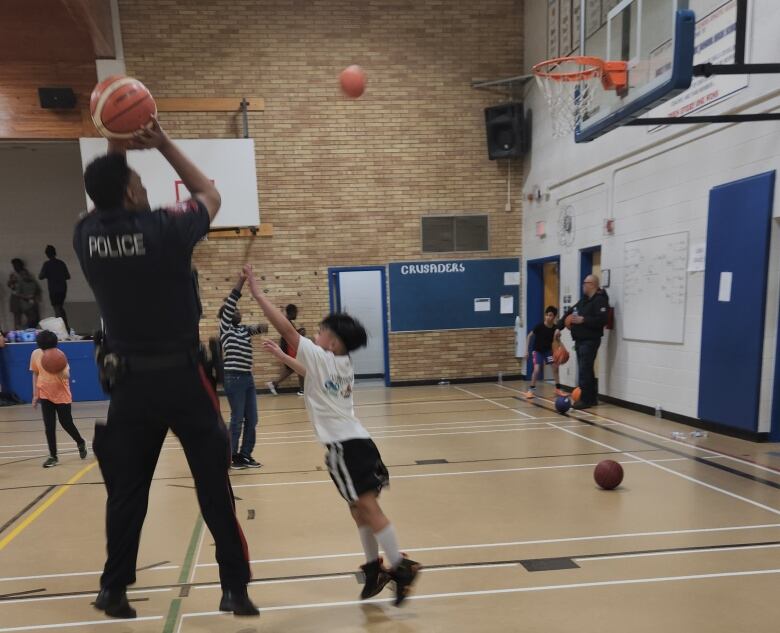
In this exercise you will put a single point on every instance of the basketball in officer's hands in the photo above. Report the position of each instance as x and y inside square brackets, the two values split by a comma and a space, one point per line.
[120, 106]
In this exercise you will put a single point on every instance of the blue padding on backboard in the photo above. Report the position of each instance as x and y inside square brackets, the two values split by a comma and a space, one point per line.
[439, 295]
[735, 278]
[679, 81]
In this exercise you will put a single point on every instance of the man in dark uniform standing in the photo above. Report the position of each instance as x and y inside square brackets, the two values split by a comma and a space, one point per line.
[138, 264]
[588, 318]
[56, 274]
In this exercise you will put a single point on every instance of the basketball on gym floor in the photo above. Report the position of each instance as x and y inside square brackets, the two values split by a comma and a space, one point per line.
[121, 106]
[54, 360]
[562, 404]
[353, 81]
[608, 474]
[576, 394]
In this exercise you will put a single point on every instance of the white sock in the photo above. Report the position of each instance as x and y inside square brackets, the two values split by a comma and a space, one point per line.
[389, 543]
[370, 546]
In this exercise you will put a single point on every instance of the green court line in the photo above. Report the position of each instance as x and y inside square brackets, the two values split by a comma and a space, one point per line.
[185, 576]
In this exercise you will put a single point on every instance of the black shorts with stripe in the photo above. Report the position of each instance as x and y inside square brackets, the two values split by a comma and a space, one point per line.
[356, 467]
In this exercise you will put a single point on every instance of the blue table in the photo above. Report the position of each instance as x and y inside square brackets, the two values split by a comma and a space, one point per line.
[84, 385]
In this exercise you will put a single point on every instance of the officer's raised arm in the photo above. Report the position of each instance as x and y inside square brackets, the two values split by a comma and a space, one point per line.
[193, 178]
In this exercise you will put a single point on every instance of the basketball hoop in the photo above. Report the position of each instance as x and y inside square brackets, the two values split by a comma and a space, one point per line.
[569, 84]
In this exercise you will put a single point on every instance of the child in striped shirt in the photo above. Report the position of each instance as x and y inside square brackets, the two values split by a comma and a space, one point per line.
[239, 381]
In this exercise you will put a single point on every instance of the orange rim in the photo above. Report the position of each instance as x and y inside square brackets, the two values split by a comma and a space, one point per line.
[594, 67]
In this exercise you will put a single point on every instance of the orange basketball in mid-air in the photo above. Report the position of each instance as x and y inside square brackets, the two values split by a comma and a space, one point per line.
[121, 106]
[353, 81]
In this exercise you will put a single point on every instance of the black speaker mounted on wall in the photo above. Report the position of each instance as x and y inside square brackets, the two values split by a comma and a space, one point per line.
[57, 98]
[508, 131]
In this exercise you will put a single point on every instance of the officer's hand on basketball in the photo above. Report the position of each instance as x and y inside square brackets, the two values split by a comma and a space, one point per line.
[152, 137]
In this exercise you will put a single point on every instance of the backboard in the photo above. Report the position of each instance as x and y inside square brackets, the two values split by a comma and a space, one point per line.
[654, 37]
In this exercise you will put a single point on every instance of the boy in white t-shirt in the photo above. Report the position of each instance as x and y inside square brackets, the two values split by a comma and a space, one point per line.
[353, 460]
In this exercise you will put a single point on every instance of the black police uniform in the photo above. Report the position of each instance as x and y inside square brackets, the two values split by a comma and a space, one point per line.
[587, 339]
[138, 265]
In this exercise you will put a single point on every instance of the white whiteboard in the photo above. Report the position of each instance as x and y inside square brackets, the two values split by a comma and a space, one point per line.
[229, 163]
[654, 288]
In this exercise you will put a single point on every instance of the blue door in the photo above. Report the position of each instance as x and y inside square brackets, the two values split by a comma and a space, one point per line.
[732, 333]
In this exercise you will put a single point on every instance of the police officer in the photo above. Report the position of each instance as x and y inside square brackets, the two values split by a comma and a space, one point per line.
[138, 263]
[588, 318]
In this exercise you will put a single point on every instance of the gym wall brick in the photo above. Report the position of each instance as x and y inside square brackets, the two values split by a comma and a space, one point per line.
[343, 182]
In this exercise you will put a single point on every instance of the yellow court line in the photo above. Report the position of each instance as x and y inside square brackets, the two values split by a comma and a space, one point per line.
[40, 510]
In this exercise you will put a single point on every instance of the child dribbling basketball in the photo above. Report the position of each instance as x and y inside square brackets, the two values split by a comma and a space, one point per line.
[542, 349]
[52, 391]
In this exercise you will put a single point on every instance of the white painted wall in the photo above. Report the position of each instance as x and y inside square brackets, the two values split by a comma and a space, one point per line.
[42, 196]
[654, 184]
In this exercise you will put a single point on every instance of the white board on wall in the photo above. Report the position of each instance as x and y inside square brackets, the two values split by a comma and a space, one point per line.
[229, 163]
[654, 288]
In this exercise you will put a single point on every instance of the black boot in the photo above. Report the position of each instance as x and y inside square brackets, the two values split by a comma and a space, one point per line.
[404, 574]
[114, 603]
[376, 579]
[237, 601]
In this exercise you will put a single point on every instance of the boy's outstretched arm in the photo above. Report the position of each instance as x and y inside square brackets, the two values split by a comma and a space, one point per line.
[273, 348]
[272, 313]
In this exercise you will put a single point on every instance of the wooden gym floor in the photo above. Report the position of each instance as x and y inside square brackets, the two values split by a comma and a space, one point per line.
[492, 494]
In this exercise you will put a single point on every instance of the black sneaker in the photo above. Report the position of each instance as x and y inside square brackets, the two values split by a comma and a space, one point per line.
[51, 461]
[250, 462]
[82, 450]
[404, 575]
[376, 577]
[114, 603]
[237, 463]
[238, 602]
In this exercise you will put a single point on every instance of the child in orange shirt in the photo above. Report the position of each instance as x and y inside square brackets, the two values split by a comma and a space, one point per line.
[53, 392]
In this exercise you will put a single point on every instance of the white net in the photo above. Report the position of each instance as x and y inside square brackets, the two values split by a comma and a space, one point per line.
[569, 88]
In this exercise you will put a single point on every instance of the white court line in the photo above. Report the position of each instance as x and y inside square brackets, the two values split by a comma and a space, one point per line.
[379, 436]
[420, 425]
[285, 581]
[476, 395]
[664, 468]
[351, 576]
[79, 573]
[692, 551]
[446, 474]
[494, 592]
[83, 595]
[63, 625]
[712, 451]
[674, 472]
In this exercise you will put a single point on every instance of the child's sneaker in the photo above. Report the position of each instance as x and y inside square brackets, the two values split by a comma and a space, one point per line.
[376, 578]
[272, 388]
[250, 462]
[404, 575]
[530, 394]
[82, 450]
[51, 461]
[561, 392]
